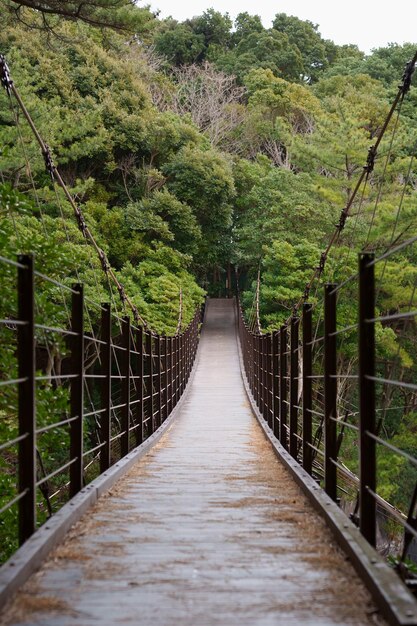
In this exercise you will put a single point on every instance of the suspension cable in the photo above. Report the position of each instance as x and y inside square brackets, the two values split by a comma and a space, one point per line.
[367, 169]
[8, 84]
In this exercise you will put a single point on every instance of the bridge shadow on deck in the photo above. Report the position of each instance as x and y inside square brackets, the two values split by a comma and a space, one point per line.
[207, 529]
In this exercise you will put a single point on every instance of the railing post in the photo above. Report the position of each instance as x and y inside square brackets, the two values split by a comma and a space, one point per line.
[125, 372]
[176, 369]
[164, 380]
[330, 391]
[77, 391]
[258, 370]
[307, 387]
[180, 362]
[270, 382]
[178, 389]
[249, 355]
[170, 341]
[139, 387]
[283, 407]
[264, 375]
[190, 338]
[179, 371]
[149, 383]
[105, 391]
[367, 459]
[260, 373]
[158, 390]
[184, 361]
[187, 355]
[255, 368]
[275, 385]
[26, 397]
[294, 386]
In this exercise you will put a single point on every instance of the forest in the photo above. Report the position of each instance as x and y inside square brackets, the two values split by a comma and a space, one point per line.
[202, 147]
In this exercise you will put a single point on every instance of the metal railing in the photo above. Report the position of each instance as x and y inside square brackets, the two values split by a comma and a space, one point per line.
[115, 385]
[314, 400]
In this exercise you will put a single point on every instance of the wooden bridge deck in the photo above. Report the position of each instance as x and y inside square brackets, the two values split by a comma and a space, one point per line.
[208, 529]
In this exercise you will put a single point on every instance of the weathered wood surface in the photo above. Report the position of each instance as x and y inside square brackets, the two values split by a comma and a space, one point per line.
[208, 529]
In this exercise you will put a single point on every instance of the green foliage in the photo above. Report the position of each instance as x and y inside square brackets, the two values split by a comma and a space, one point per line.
[397, 476]
[171, 209]
[179, 43]
[122, 15]
[292, 263]
[305, 36]
[204, 181]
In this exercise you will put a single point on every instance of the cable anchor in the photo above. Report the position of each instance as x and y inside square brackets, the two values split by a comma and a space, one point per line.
[5, 78]
[322, 263]
[406, 78]
[370, 161]
[81, 222]
[122, 293]
[49, 163]
[103, 260]
[342, 220]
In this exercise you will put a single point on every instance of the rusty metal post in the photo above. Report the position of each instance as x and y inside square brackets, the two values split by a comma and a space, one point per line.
[26, 397]
[149, 385]
[259, 371]
[169, 374]
[157, 372]
[265, 377]
[255, 368]
[105, 390]
[283, 406]
[307, 387]
[178, 390]
[176, 368]
[330, 391]
[158, 390]
[294, 386]
[367, 458]
[270, 382]
[139, 387]
[190, 339]
[125, 387]
[77, 391]
[187, 355]
[180, 372]
[164, 379]
[275, 387]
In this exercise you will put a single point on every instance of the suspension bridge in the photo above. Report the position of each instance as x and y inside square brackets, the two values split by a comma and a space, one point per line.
[205, 480]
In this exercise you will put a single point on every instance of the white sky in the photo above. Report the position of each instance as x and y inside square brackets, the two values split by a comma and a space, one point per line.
[367, 23]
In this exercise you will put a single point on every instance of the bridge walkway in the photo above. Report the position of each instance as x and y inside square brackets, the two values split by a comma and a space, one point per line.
[207, 529]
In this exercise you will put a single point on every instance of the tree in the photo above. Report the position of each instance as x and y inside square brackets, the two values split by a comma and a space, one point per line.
[353, 111]
[178, 43]
[268, 49]
[121, 15]
[246, 24]
[285, 111]
[214, 27]
[305, 36]
[278, 205]
[387, 63]
[203, 180]
[212, 100]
